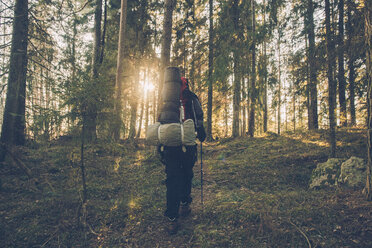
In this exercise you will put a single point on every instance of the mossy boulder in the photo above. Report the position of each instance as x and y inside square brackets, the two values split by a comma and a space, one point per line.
[353, 172]
[326, 174]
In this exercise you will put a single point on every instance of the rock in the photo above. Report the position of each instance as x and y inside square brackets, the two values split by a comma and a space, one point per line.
[353, 172]
[326, 174]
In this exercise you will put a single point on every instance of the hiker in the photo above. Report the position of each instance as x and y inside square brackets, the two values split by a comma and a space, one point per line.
[179, 161]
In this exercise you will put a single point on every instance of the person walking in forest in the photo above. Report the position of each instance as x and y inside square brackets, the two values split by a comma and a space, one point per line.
[179, 161]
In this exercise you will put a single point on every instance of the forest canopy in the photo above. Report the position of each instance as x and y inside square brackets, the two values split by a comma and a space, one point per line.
[264, 63]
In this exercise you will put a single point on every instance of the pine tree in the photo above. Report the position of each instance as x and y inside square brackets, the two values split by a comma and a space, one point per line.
[331, 80]
[368, 38]
[237, 73]
[341, 70]
[251, 122]
[13, 128]
[351, 61]
[120, 70]
[210, 73]
[313, 108]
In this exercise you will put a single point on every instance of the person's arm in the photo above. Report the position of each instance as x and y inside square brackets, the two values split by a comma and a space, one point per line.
[198, 116]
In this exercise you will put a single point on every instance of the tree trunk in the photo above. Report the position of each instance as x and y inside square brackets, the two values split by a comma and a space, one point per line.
[313, 113]
[265, 76]
[13, 128]
[279, 87]
[236, 97]
[294, 109]
[154, 107]
[226, 119]
[236, 83]
[90, 107]
[133, 107]
[286, 109]
[166, 44]
[243, 109]
[251, 121]
[103, 33]
[331, 81]
[147, 112]
[341, 70]
[210, 73]
[141, 114]
[120, 71]
[307, 91]
[351, 59]
[368, 36]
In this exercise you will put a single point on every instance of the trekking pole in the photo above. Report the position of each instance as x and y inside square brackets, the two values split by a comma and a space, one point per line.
[201, 172]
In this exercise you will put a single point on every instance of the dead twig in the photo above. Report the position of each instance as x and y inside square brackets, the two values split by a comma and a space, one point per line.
[190, 240]
[18, 162]
[303, 234]
[50, 238]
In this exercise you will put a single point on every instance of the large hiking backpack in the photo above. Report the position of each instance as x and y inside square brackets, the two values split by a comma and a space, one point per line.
[171, 130]
[170, 109]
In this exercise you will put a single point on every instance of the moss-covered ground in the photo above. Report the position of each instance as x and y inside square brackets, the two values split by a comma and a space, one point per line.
[256, 194]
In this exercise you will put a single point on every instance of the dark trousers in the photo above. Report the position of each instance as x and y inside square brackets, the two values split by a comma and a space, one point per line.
[178, 167]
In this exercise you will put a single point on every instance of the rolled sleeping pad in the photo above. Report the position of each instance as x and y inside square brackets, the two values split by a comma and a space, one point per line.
[172, 134]
[170, 112]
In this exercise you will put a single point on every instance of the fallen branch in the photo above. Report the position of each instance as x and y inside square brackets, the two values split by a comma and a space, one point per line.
[6, 150]
[303, 234]
[19, 163]
[50, 238]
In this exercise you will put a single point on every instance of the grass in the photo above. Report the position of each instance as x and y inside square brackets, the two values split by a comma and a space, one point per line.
[256, 195]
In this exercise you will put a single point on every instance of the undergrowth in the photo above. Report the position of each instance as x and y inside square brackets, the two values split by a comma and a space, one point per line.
[256, 195]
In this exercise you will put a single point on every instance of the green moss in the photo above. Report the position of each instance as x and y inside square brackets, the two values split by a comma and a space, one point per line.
[255, 195]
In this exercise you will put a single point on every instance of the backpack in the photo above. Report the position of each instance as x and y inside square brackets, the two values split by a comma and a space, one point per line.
[170, 109]
[174, 126]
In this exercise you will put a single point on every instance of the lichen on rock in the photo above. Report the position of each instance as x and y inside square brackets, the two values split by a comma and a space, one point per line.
[326, 174]
[353, 172]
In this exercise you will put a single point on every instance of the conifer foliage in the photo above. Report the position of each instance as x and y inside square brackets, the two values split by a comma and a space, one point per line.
[256, 66]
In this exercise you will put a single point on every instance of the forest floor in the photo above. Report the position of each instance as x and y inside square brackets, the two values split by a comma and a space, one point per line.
[256, 194]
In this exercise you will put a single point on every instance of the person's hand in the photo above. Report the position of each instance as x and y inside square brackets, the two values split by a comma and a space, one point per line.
[201, 135]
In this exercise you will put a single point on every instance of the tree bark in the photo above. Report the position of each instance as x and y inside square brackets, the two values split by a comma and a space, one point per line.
[13, 128]
[279, 88]
[141, 114]
[103, 33]
[244, 108]
[307, 91]
[313, 110]
[331, 81]
[341, 70]
[251, 121]
[368, 36]
[265, 75]
[133, 107]
[147, 108]
[236, 83]
[119, 83]
[90, 106]
[210, 73]
[294, 109]
[351, 59]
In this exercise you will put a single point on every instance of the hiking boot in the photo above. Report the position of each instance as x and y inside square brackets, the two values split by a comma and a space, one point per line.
[172, 227]
[185, 209]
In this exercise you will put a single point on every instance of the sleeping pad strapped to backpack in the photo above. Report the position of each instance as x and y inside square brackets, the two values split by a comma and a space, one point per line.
[171, 130]
[170, 110]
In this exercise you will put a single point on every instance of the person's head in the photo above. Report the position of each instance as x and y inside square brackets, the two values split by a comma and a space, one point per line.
[184, 84]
